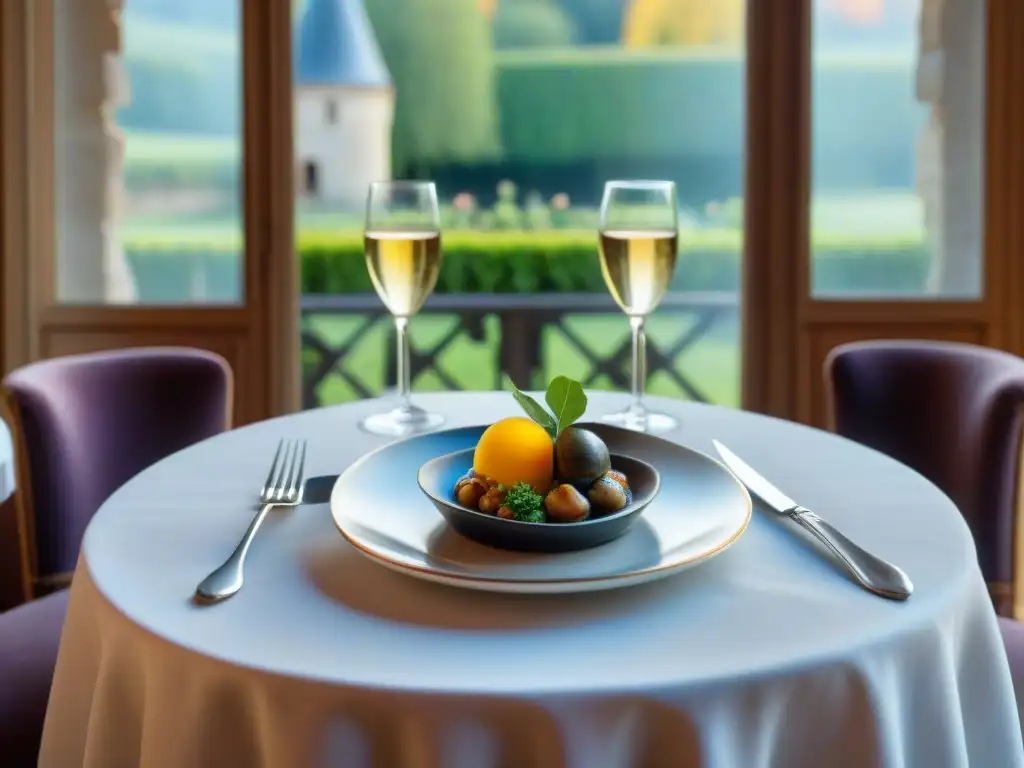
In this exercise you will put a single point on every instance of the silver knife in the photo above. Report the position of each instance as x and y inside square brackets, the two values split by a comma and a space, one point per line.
[873, 573]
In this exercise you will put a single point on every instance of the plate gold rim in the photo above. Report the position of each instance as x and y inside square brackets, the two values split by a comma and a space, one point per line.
[634, 574]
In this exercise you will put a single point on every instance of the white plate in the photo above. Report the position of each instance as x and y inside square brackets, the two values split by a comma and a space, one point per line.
[377, 505]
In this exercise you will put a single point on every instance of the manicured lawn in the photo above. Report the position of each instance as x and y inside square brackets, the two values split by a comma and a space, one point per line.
[712, 365]
[172, 148]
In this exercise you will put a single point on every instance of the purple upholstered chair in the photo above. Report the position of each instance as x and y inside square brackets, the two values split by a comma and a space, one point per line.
[29, 638]
[83, 426]
[954, 413]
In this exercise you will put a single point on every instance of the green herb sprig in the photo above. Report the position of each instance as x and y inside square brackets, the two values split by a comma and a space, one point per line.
[565, 398]
[526, 504]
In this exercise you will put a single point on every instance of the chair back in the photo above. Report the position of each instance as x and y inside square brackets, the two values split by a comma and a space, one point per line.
[952, 412]
[83, 425]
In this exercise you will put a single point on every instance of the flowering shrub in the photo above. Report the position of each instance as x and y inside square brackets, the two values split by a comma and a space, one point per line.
[534, 214]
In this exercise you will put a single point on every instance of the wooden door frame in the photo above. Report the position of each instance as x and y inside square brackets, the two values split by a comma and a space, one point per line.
[15, 188]
[784, 328]
[260, 337]
[1004, 170]
[776, 245]
[787, 331]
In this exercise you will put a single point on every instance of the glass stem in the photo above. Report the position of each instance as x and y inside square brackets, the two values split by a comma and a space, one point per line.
[404, 363]
[639, 382]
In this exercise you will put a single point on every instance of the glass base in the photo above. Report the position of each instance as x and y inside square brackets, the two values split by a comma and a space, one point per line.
[402, 421]
[639, 419]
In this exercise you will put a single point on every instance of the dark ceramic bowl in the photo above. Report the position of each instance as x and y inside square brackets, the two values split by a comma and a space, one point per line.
[437, 480]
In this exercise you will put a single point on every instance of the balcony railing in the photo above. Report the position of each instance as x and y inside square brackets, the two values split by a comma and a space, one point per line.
[525, 324]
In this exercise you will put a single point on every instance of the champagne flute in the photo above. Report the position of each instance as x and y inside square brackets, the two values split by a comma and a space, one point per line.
[403, 255]
[638, 239]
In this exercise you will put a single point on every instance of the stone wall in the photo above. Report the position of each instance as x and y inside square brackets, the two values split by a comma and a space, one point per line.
[90, 85]
[951, 81]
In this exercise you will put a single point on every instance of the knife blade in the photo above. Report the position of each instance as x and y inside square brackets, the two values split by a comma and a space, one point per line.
[755, 483]
[871, 572]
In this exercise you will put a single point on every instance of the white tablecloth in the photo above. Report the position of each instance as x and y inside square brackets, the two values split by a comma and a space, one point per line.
[765, 656]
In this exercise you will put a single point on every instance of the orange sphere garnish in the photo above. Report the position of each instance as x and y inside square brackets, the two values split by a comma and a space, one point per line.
[516, 450]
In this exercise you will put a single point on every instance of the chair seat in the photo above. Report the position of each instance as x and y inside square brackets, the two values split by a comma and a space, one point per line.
[29, 638]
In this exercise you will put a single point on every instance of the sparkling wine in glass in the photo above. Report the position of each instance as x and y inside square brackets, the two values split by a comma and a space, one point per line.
[403, 255]
[639, 237]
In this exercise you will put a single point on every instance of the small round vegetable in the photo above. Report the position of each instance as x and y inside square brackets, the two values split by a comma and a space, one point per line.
[580, 457]
[608, 495]
[506, 514]
[491, 501]
[566, 505]
[469, 490]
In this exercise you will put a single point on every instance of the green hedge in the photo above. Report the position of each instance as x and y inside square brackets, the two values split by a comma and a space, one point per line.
[580, 105]
[558, 107]
[521, 262]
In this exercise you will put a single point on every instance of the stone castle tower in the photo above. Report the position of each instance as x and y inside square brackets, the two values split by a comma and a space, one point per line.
[344, 104]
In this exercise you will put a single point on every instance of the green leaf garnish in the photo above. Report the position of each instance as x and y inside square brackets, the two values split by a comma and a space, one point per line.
[526, 504]
[567, 401]
[564, 397]
[535, 411]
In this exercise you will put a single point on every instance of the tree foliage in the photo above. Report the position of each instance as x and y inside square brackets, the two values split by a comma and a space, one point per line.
[532, 24]
[651, 23]
[441, 59]
[597, 22]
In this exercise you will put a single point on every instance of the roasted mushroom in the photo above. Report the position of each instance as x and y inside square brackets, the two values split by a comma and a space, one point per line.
[566, 505]
[608, 494]
[492, 500]
[618, 477]
[469, 490]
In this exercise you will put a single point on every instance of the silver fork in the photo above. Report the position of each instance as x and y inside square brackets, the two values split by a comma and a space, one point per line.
[283, 488]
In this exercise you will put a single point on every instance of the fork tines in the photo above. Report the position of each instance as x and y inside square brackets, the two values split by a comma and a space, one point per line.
[284, 481]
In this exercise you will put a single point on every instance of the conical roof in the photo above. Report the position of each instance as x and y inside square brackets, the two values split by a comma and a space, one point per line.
[335, 45]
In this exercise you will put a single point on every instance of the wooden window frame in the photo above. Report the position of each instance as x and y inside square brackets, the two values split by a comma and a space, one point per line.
[786, 330]
[260, 336]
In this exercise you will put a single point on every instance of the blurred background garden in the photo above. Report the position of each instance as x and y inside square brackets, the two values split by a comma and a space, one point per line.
[520, 110]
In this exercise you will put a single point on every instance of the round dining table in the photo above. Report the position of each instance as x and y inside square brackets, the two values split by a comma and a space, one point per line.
[765, 655]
